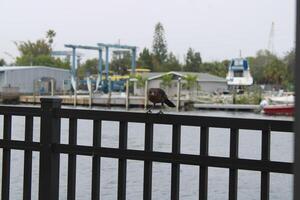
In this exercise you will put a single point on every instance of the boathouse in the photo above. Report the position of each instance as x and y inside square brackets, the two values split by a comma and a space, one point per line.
[32, 78]
[204, 82]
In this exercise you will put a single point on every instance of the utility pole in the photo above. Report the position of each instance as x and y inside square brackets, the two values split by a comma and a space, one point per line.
[271, 38]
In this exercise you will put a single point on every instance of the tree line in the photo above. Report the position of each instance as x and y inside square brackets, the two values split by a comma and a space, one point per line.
[266, 67]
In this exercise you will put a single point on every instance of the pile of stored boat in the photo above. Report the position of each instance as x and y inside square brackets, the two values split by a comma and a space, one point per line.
[281, 105]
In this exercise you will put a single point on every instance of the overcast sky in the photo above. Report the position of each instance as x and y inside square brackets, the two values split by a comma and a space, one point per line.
[218, 29]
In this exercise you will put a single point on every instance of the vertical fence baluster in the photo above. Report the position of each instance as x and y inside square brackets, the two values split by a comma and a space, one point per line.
[203, 179]
[6, 159]
[148, 163]
[96, 161]
[265, 156]
[233, 173]
[49, 160]
[122, 162]
[175, 176]
[72, 160]
[28, 159]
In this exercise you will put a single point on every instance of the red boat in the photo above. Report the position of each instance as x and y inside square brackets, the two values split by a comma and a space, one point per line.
[279, 109]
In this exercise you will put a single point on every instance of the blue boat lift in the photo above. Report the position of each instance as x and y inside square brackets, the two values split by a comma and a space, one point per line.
[99, 48]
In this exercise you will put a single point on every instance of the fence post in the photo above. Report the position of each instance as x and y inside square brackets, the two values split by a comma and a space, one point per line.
[49, 161]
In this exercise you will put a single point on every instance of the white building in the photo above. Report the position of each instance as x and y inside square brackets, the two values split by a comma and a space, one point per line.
[204, 83]
[25, 77]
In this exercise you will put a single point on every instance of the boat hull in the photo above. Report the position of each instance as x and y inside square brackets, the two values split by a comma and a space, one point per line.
[279, 110]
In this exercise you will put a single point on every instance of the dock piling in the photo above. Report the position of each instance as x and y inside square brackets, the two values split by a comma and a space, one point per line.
[90, 93]
[109, 92]
[178, 94]
[52, 87]
[146, 95]
[127, 94]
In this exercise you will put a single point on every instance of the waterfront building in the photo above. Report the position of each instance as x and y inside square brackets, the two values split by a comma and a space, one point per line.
[30, 79]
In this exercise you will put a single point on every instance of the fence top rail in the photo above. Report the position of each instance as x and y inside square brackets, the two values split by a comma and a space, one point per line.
[188, 120]
[285, 125]
[20, 110]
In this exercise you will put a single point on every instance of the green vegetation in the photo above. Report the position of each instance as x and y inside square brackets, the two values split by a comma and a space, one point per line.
[268, 68]
[167, 81]
[88, 67]
[145, 59]
[193, 61]
[159, 45]
[190, 81]
[252, 95]
[140, 81]
[2, 62]
[120, 62]
[39, 53]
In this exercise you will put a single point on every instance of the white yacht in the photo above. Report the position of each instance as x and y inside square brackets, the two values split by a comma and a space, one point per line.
[239, 73]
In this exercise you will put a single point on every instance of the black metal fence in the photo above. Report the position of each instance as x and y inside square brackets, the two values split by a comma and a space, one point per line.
[50, 149]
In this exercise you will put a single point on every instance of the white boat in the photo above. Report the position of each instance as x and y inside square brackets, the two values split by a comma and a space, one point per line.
[282, 100]
[278, 105]
[239, 73]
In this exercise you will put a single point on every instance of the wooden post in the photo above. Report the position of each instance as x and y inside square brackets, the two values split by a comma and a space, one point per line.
[109, 92]
[34, 91]
[178, 94]
[146, 95]
[52, 87]
[234, 95]
[127, 94]
[75, 94]
[90, 94]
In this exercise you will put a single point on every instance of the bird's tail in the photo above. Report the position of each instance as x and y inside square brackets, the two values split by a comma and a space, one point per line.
[169, 103]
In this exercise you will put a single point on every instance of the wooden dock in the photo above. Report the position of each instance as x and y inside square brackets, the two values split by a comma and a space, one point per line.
[230, 107]
[97, 100]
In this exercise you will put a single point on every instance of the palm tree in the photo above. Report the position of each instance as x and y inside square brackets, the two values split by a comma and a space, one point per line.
[50, 35]
[191, 82]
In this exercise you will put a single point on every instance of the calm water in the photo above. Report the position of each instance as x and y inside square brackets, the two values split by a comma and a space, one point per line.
[249, 181]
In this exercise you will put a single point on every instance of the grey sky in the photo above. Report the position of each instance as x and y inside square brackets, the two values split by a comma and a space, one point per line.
[216, 28]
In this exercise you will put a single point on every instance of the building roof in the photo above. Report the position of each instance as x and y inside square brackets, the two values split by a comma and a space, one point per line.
[201, 77]
[9, 68]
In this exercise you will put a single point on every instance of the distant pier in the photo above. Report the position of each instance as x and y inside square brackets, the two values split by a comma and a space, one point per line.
[137, 101]
[229, 107]
[99, 100]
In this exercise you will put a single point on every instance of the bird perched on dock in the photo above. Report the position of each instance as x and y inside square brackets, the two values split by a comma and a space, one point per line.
[157, 95]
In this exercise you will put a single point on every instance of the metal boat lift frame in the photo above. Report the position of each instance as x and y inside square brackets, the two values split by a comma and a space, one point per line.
[74, 65]
[118, 46]
[99, 48]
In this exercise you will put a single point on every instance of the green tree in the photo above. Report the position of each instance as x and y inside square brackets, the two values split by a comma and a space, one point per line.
[259, 63]
[145, 59]
[171, 64]
[140, 80]
[50, 36]
[159, 46]
[38, 53]
[215, 68]
[120, 62]
[90, 66]
[2, 62]
[275, 72]
[193, 61]
[190, 81]
[289, 60]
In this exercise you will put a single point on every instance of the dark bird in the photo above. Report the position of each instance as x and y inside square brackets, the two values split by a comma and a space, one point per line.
[157, 95]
